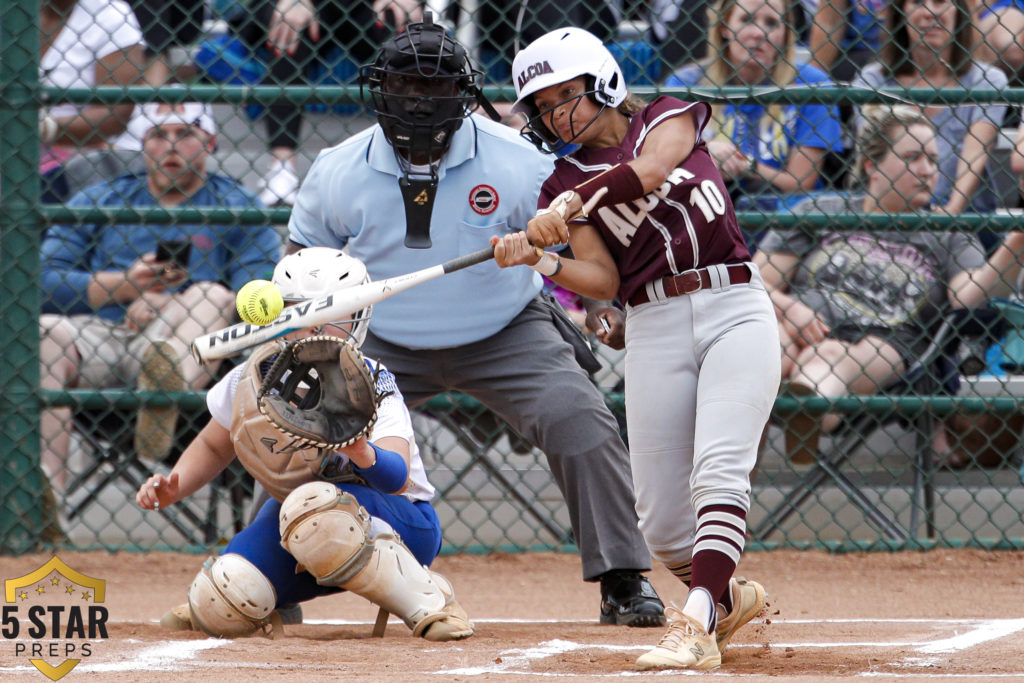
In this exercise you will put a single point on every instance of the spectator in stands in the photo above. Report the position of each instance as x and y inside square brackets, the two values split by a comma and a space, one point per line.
[929, 45]
[856, 309]
[987, 439]
[166, 24]
[83, 43]
[678, 31]
[1001, 27]
[508, 27]
[769, 154]
[845, 35]
[1017, 157]
[296, 31]
[114, 313]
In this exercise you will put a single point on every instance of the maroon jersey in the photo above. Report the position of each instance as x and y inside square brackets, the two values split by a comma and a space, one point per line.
[688, 222]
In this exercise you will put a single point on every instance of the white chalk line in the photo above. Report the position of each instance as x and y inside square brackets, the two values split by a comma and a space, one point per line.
[174, 655]
[165, 656]
[179, 655]
[990, 630]
[358, 622]
[516, 661]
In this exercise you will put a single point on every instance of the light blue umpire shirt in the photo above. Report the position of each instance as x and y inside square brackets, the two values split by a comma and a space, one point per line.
[490, 180]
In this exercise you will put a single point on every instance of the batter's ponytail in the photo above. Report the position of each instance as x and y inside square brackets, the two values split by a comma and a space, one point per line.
[631, 105]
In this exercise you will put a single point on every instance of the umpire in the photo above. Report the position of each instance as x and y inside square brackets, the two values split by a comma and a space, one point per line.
[483, 331]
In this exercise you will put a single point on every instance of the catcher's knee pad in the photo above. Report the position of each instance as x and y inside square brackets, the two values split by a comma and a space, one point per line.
[328, 533]
[230, 597]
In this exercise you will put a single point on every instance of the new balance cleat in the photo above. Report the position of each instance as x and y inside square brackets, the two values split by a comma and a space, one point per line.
[686, 645]
[748, 599]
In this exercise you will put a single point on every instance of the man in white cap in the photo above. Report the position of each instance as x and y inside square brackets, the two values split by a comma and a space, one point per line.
[178, 141]
[121, 302]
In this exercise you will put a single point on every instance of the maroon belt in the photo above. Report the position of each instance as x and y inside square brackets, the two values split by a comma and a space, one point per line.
[692, 281]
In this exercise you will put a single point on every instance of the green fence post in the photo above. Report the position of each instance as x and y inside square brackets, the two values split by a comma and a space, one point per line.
[20, 481]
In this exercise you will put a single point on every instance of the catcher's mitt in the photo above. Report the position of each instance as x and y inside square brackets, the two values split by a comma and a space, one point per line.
[321, 392]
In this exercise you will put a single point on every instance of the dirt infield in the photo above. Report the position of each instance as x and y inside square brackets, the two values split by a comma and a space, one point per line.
[909, 616]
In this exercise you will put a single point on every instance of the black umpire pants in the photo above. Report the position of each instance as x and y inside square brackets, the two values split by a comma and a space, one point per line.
[528, 375]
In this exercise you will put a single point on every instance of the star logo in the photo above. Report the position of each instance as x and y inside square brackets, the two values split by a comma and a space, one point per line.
[41, 623]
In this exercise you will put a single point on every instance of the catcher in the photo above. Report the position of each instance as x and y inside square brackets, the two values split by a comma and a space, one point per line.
[347, 512]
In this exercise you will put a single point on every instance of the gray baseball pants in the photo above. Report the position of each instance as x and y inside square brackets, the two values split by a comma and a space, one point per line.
[528, 375]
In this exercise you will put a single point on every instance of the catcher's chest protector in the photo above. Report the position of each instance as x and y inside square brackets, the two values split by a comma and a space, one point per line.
[258, 443]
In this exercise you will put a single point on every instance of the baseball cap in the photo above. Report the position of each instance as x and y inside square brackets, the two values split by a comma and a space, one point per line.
[188, 113]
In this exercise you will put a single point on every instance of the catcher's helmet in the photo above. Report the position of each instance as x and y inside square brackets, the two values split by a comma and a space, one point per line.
[557, 57]
[315, 271]
[422, 86]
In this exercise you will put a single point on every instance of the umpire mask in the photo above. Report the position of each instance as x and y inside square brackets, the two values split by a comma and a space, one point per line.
[422, 86]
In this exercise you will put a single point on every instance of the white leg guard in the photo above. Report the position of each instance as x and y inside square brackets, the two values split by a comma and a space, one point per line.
[328, 533]
[230, 597]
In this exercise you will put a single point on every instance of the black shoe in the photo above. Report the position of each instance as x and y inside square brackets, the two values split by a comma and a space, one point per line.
[629, 599]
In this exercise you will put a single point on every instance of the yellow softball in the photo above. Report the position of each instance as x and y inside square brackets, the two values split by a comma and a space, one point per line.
[259, 302]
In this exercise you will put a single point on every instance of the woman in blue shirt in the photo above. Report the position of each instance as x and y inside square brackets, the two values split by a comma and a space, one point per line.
[773, 151]
[931, 45]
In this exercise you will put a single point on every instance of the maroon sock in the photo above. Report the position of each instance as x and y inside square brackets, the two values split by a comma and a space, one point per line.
[726, 599]
[719, 543]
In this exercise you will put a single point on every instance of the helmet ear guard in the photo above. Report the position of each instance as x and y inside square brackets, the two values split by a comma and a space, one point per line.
[601, 92]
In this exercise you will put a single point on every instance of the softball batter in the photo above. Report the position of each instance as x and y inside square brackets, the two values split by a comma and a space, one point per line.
[701, 338]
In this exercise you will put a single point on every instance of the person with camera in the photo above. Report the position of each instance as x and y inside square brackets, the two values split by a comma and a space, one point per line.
[121, 302]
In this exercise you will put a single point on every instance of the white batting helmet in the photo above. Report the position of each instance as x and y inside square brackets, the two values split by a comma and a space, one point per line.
[560, 56]
[315, 271]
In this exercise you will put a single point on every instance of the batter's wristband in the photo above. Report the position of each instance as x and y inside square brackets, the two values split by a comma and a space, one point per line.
[388, 474]
[549, 265]
[622, 182]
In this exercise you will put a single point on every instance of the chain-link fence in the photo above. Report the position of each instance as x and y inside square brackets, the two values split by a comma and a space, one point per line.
[870, 148]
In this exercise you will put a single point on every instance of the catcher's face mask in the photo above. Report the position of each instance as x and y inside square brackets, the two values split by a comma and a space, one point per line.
[422, 87]
[342, 329]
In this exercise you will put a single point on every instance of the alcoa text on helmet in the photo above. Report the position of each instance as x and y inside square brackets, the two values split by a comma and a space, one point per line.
[557, 57]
